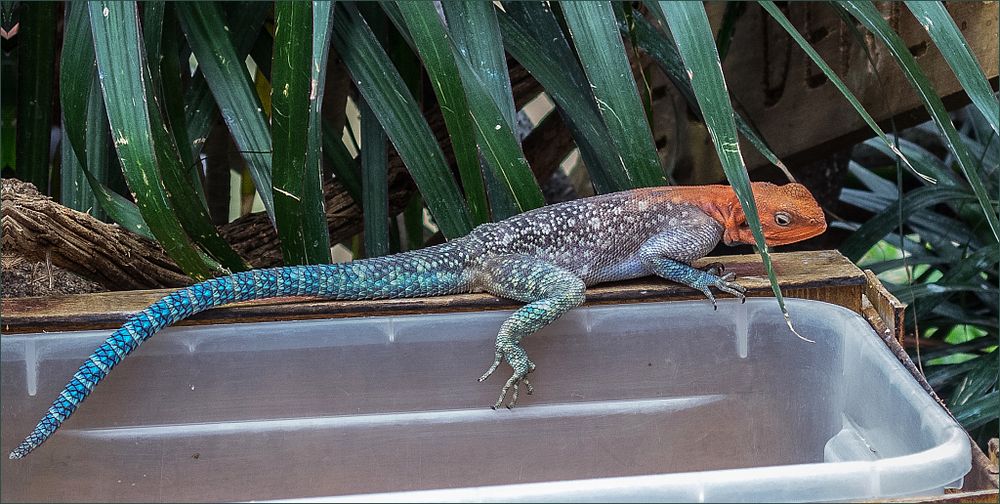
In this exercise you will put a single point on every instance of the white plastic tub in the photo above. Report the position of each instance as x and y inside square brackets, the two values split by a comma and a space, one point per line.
[652, 401]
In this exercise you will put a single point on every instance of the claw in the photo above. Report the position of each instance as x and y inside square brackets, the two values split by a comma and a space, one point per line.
[725, 285]
[513, 397]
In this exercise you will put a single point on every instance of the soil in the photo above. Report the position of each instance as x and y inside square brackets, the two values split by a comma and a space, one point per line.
[20, 278]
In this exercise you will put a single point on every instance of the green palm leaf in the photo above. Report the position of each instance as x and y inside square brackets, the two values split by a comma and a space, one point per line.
[532, 35]
[298, 188]
[120, 60]
[443, 71]
[600, 48]
[693, 35]
[383, 88]
[234, 93]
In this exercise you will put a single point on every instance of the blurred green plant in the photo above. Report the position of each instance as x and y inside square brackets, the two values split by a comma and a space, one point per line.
[931, 245]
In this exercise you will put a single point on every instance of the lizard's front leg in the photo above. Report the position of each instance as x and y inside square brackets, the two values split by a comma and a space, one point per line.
[660, 254]
[549, 290]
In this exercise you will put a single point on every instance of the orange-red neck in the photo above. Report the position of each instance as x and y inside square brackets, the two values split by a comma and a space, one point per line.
[717, 201]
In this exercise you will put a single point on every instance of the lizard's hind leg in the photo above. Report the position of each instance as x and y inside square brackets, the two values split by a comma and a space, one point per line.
[549, 290]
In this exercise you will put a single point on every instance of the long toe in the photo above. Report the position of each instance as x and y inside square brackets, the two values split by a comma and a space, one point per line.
[496, 362]
[710, 297]
[513, 396]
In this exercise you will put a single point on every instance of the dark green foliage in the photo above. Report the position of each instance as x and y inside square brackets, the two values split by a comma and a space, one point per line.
[951, 260]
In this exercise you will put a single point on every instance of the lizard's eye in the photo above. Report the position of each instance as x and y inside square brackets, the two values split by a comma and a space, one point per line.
[782, 219]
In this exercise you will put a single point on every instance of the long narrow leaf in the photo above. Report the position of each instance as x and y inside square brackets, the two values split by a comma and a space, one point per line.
[689, 25]
[35, 79]
[374, 167]
[201, 110]
[172, 90]
[495, 136]
[659, 47]
[867, 14]
[188, 205]
[444, 78]
[312, 186]
[74, 189]
[86, 125]
[74, 186]
[119, 52]
[595, 35]
[383, 88]
[533, 37]
[234, 93]
[473, 28]
[153, 12]
[946, 35]
[302, 229]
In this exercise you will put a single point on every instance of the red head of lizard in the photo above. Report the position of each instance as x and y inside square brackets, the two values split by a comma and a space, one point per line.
[788, 213]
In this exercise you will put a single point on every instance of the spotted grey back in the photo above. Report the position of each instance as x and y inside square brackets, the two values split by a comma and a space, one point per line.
[599, 238]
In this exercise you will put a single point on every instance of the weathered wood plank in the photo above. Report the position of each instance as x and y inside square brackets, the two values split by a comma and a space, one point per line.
[890, 310]
[821, 275]
[801, 114]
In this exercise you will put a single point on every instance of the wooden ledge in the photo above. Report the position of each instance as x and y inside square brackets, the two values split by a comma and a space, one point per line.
[820, 275]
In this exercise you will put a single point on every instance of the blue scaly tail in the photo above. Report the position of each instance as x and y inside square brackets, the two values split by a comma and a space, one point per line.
[427, 272]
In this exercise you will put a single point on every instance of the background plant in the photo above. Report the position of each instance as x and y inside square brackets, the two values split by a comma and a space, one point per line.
[930, 245]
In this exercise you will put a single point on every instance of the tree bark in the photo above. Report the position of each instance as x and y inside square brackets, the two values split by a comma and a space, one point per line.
[34, 227]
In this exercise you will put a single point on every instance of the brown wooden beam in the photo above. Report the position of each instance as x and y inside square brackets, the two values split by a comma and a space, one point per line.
[801, 114]
[820, 275]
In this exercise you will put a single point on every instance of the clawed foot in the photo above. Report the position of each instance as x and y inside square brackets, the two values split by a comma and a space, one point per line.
[714, 269]
[518, 359]
[724, 283]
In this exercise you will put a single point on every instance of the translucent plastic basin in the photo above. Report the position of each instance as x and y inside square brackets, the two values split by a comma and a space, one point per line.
[649, 401]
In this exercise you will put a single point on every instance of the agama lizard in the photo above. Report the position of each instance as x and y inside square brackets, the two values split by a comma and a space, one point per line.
[544, 257]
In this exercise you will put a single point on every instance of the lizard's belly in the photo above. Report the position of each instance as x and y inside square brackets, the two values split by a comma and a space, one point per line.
[630, 267]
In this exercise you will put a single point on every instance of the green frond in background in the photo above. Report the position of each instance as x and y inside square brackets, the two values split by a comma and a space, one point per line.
[944, 262]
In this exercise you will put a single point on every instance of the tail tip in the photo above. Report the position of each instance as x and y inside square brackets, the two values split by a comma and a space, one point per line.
[18, 453]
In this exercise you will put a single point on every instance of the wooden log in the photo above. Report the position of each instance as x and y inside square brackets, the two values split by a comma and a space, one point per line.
[39, 229]
[820, 275]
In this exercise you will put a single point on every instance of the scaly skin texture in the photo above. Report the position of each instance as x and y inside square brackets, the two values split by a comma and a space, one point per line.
[545, 258]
